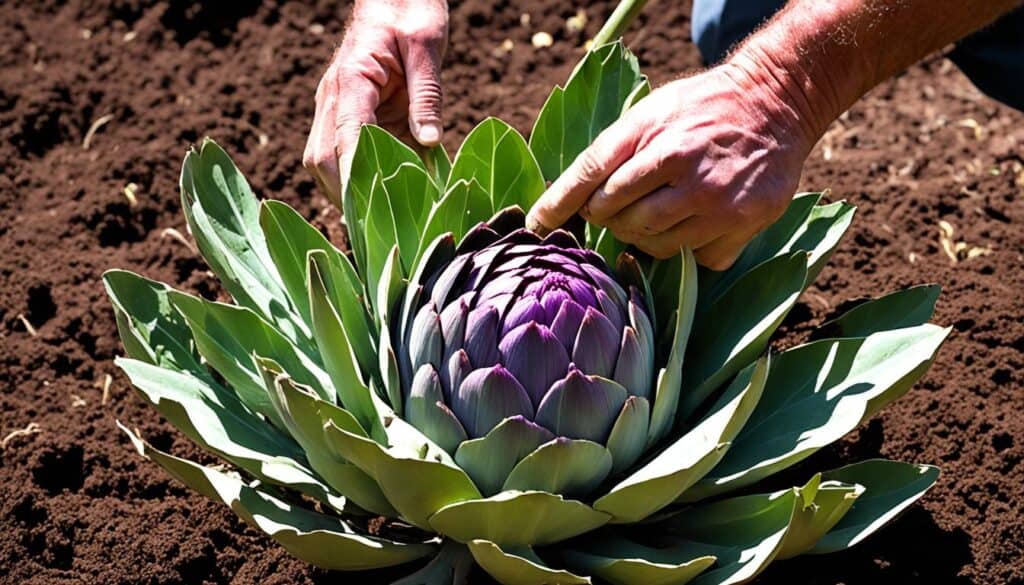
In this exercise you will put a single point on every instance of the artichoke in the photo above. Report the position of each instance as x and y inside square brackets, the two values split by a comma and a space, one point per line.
[490, 397]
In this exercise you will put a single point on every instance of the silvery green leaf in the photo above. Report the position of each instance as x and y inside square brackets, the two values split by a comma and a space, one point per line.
[619, 561]
[519, 566]
[733, 331]
[562, 466]
[325, 541]
[815, 394]
[337, 352]
[214, 419]
[227, 337]
[150, 329]
[820, 506]
[891, 486]
[502, 519]
[601, 86]
[304, 415]
[223, 216]
[905, 308]
[745, 534]
[498, 158]
[670, 378]
[659, 481]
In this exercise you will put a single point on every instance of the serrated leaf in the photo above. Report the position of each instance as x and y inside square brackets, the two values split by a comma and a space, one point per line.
[324, 541]
[498, 158]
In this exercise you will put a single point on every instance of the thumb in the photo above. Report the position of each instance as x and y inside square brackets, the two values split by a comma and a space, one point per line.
[571, 191]
[422, 62]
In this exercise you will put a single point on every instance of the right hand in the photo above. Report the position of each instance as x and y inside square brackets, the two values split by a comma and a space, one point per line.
[386, 72]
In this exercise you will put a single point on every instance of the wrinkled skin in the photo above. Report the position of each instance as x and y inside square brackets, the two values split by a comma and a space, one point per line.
[705, 162]
[386, 72]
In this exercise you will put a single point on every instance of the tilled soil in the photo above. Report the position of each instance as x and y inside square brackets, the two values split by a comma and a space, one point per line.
[77, 505]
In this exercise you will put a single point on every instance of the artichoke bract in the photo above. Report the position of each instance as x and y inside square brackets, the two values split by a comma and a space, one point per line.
[519, 404]
[530, 333]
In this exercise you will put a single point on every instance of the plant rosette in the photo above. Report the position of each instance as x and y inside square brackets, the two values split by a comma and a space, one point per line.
[554, 410]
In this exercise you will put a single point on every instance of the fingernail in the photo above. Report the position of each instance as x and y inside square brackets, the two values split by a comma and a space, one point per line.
[429, 133]
[536, 226]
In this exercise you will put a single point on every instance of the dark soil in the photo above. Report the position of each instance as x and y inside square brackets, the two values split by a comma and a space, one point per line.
[77, 505]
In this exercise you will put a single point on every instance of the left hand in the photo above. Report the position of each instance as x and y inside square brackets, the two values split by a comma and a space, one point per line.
[705, 162]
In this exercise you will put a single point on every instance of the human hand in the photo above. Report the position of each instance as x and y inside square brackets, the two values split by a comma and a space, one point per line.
[705, 162]
[386, 72]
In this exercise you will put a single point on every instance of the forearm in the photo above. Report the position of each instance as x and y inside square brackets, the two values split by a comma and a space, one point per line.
[823, 56]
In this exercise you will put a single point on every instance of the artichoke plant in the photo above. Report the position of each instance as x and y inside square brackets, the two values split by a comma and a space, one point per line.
[459, 391]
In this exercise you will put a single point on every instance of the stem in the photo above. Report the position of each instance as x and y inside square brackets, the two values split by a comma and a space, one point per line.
[619, 21]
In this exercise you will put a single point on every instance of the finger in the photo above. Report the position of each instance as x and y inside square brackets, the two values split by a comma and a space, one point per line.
[421, 56]
[358, 98]
[655, 213]
[723, 252]
[649, 169]
[693, 232]
[320, 157]
[575, 186]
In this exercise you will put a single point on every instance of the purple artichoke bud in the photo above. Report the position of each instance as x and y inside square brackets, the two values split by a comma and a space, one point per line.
[539, 329]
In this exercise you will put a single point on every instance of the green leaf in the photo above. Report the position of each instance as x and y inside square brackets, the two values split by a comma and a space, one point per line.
[519, 566]
[619, 561]
[418, 483]
[227, 337]
[820, 506]
[744, 533]
[489, 459]
[774, 241]
[737, 327]
[151, 330]
[670, 378]
[304, 416]
[603, 84]
[223, 216]
[378, 155]
[573, 467]
[891, 487]
[290, 239]
[502, 519]
[629, 433]
[661, 481]
[498, 158]
[820, 235]
[411, 194]
[464, 205]
[324, 541]
[906, 308]
[213, 418]
[438, 165]
[815, 394]
[338, 353]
